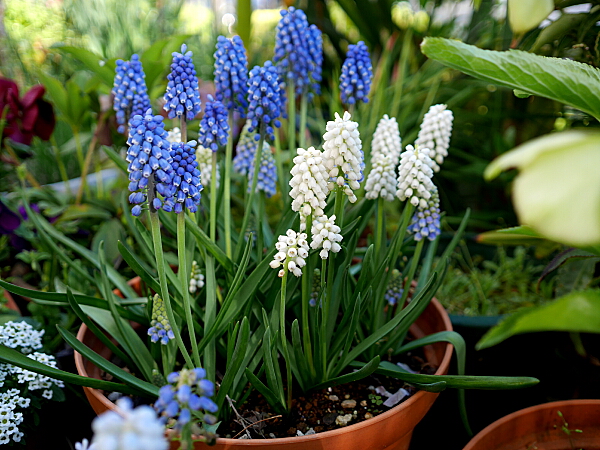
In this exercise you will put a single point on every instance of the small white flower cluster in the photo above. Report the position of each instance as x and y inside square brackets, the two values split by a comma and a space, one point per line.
[343, 156]
[34, 380]
[385, 155]
[196, 278]
[292, 251]
[309, 184]
[204, 158]
[129, 429]
[21, 336]
[435, 133]
[174, 135]
[326, 236]
[386, 138]
[9, 419]
[414, 176]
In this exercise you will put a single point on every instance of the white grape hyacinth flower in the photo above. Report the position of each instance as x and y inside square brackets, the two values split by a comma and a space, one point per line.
[414, 176]
[309, 184]
[204, 158]
[386, 139]
[381, 181]
[174, 135]
[326, 236]
[129, 429]
[343, 156]
[435, 133]
[292, 250]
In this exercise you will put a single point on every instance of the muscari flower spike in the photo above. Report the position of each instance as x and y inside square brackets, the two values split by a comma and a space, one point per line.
[214, 129]
[292, 251]
[182, 96]
[414, 176]
[425, 222]
[435, 133]
[315, 53]
[149, 159]
[130, 91]
[326, 236]
[204, 158]
[185, 186]
[231, 73]
[160, 329]
[395, 288]
[174, 135]
[129, 428]
[342, 154]
[245, 150]
[187, 391]
[267, 172]
[196, 278]
[386, 139]
[264, 97]
[291, 49]
[356, 76]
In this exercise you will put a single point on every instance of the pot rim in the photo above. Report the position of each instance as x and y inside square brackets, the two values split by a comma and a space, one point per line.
[474, 442]
[442, 369]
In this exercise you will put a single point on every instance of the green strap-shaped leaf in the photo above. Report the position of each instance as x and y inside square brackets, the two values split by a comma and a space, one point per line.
[563, 80]
[267, 393]
[210, 246]
[115, 157]
[235, 363]
[576, 312]
[364, 371]
[92, 62]
[139, 385]
[12, 356]
[138, 267]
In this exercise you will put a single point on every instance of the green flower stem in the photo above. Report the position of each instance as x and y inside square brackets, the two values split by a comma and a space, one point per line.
[339, 206]
[213, 198]
[183, 128]
[399, 83]
[162, 277]
[183, 275]
[61, 165]
[250, 199]
[210, 352]
[306, 291]
[411, 273]
[379, 229]
[325, 311]
[281, 175]
[291, 94]
[78, 148]
[284, 347]
[303, 108]
[260, 214]
[85, 170]
[227, 186]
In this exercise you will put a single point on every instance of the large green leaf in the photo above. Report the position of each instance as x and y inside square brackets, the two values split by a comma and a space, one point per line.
[563, 80]
[575, 312]
[92, 62]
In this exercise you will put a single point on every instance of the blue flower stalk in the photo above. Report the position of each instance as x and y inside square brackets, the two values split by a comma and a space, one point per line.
[245, 150]
[152, 173]
[425, 223]
[231, 86]
[264, 109]
[188, 391]
[356, 76]
[184, 195]
[182, 98]
[130, 91]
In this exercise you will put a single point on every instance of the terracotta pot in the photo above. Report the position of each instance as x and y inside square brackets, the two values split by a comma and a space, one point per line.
[10, 302]
[539, 427]
[391, 430]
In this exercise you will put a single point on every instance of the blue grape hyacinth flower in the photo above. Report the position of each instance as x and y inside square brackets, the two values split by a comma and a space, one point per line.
[185, 187]
[291, 48]
[130, 91]
[264, 98]
[395, 289]
[231, 73]
[356, 76]
[149, 158]
[214, 129]
[160, 329]
[267, 172]
[315, 52]
[182, 96]
[245, 150]
[187, 391]
[425, 222]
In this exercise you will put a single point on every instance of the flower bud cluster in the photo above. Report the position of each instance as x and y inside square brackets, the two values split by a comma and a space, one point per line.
[356, 76]
[395, 288]
[414, 176]
[316, 288]
[309, 184]
[343, 157]
[214, 129]
[129, 429]
[184, 189]
[204, 158]
[386, 139]
[325, 236]
[381, 181]
[425, 222]
[264, 97]
[267, 172]
[435, 133]
[196, 278]
[245, 150]
[404, 16]
[231, 73]
[148, 156]
[291, 48]
[130, 91]
[187, 391]
[182, 96]
[292, 252]
[160, 328]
